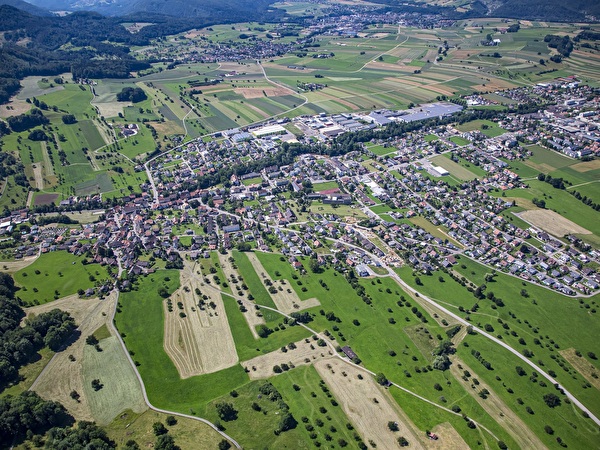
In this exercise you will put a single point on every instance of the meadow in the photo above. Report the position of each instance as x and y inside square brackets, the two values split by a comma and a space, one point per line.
[56, 274]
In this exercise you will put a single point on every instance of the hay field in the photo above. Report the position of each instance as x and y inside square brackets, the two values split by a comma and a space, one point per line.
[121, 389]
[356, 398]
[497, 409]
[582, 365]
[285, 301]
[305, 353]
[449, 439]
[201, 341]
[552, 222]
[250, 315]
[61, 376]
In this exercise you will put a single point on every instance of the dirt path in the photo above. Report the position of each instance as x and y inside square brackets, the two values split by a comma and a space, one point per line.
[61, 375]
[200, 341]
[367, 405]
[497, 409]
[286, 298]
[251, 317]
[305, 353]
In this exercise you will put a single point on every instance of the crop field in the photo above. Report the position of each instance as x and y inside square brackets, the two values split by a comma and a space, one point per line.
[547, 312]
[54, 275]
[64, 374]
[552, 222]
[197, 338]
[121, 389]
[285, 299]
[142, 320]
[305, 352]
[366, 404]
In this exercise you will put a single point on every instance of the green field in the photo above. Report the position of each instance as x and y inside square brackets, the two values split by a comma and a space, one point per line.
[141, 321]
[121, 389]
[57, 274]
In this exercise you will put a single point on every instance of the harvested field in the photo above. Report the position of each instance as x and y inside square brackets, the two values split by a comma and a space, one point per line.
[167, 128]
[356, 398]
[14, 107]
[121, 389]
[304, 353]
[552, 222]
[111, 109]
[263, 92]
[15, 266]
[62, 376]
[449, 439]
[497, 409]
[38, 175]
[251, 317]
[45, 199]
[586, 166]
[582, 366]
[200, 341]
[285, 301]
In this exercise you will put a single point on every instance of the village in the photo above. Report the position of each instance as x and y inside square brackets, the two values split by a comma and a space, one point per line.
[358, 210]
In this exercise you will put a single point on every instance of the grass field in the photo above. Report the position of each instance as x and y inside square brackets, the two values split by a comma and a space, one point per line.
[121, 389]
[141, 320]
[454, 168]
[189, 434]
[60, 274]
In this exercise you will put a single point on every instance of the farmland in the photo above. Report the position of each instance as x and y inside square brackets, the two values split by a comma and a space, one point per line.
[298, 291]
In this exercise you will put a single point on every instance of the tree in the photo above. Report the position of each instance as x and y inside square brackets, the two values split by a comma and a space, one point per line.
[393, 426]
[226, 411]
[159, 429]
[165, 442]
[91, 340]
[287, 422]
[224, 445]
[171, 420]
[381, 379]
[548, 429]
[130, 94]
[69, 119]
[520, 371]
[552, 400]
[131, 445]
[402, 442]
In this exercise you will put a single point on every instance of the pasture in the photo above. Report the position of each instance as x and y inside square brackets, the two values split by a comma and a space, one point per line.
[54, 275]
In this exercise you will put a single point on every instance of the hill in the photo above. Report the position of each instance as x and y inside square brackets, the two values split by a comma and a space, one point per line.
[27, 7]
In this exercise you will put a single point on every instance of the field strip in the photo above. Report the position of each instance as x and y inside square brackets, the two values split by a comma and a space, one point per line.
[582, 366]
[39, 176]
[551, 222]
[197, 336]
[250, 315]
[497, 409]
[48, 167]
[286, 299]
[305, 353]
[120, 389]
[15, 266]
[356, 398]
[62, 376]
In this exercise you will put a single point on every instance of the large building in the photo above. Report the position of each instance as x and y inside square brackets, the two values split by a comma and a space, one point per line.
[271, 130]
